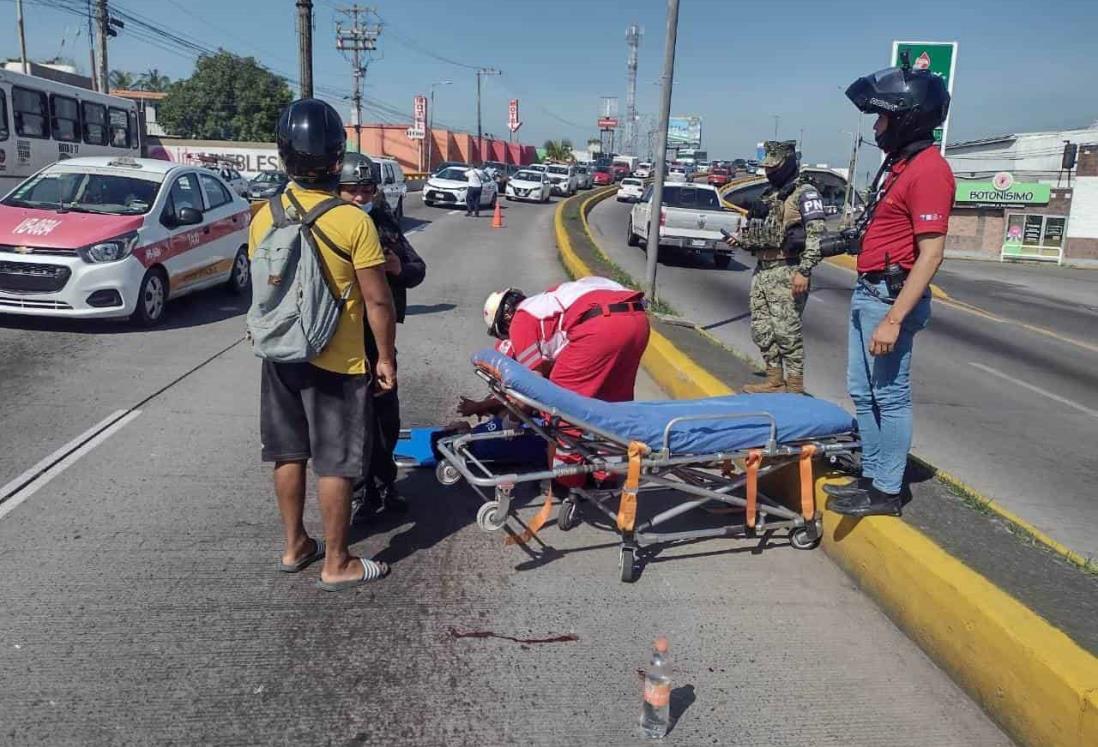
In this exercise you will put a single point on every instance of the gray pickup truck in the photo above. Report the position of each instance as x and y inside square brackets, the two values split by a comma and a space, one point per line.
[691, 220]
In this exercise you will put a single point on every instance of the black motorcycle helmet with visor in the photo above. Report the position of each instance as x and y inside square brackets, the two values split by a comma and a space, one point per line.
[311, 142]
[915, 102]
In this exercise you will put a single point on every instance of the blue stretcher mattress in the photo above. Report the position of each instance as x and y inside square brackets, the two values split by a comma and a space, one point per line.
[798, 417]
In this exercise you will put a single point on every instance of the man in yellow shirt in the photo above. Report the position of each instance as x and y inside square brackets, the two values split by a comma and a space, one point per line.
[322, 409]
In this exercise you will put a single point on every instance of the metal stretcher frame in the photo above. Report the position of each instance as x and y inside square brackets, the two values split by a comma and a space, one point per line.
[703, 478]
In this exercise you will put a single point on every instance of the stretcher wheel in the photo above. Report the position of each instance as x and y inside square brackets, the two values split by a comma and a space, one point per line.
[803, 539]
[490, 518]
[627, 564]
[447, 474]
[568, 516]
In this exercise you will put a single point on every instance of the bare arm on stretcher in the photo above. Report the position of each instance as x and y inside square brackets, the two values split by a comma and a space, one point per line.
[490, 406]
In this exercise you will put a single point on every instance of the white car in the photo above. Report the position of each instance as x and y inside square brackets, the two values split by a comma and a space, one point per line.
[677, 174]
[529, 185]
[448, 186]
[391, 183]
[643, 171]
[537, 167]
[585, 179]
[118, 237]
[563, 178]
[630, 189]
[233, 178]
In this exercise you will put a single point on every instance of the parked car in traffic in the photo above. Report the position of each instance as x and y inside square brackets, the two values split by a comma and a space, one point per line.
[676, 174]
[563, 178]
[718, 176]
[603, 177]
[630, 189]
[391, 183]
[529, 185]
[267, 184]
[691, 219]
[93, 238]
[232, 177]
[448, 188]
[620, 170]
[643, 170]
[584, 177]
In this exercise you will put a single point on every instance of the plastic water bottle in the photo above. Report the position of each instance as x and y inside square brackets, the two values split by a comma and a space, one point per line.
[656, 715]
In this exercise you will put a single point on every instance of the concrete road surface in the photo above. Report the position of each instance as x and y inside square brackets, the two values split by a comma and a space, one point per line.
[141, 601]
[1005, 380]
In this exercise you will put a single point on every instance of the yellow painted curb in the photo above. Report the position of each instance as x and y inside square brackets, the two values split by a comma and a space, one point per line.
[1037, 683]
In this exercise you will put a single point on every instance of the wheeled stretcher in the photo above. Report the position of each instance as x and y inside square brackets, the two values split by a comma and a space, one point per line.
[711, 452]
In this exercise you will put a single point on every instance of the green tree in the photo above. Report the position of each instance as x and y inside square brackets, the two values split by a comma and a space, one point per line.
[152, 80]
[120, 80]
[227, 98]
[558, 150]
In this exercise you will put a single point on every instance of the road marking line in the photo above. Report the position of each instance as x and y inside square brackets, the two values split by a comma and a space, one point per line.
[454, 212]
[1026, 385]
[31, 481]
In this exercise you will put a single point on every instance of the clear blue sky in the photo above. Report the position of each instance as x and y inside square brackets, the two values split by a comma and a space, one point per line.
[1022, 65]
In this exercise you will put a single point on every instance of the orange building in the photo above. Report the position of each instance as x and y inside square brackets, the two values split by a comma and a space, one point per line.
[392, 141]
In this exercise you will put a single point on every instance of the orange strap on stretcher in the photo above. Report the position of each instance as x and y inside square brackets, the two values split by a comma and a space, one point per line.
[808, 493]
[627, 508]
[751, 464]
[535, 524]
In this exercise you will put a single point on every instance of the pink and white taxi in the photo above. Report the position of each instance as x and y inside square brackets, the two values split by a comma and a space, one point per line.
[118, 237]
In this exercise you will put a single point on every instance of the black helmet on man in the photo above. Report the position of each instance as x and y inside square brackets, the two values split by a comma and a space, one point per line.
[780, 161]
[915, 102]
[311, 142]
[358, 170]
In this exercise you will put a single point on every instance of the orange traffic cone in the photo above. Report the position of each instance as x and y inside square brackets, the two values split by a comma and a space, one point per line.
[497, 217]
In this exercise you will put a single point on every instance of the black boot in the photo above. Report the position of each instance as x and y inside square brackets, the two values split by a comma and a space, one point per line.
[868, 502]
[365, 500]
[391, 500]
[858, 484]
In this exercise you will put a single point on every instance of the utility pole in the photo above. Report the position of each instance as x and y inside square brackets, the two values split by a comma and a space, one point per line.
[632, 38]
[359, 38]
[91, 47]
[481, 72]
[102, 19]
[656, 205]
[22, 37]
[431, 122]
[305, 46]
[777, 119]
[852, 170]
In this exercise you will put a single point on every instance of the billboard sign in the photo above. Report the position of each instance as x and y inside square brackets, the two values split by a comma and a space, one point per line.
[608, 123]
[513, 122]
[684, 132]
[939, 58]
[419, 113]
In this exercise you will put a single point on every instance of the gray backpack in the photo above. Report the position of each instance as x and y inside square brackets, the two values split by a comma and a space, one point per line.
[294, 310]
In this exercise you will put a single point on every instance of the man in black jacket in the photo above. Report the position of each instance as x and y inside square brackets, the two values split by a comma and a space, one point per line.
[404, 269]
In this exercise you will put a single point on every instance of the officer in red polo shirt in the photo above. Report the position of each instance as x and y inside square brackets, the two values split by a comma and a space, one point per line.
[902, 245]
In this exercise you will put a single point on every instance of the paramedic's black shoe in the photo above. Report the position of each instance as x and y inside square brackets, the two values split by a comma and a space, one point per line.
[857, 485]
[391, 500]
[364, 502]
[867, 502]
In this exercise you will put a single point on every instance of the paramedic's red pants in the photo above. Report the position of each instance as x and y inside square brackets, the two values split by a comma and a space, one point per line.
[601, 361]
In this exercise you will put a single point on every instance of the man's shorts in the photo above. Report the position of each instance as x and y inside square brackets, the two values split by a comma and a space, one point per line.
[307, 412]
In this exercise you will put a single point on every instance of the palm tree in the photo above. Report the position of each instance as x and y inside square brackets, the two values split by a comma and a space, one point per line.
[120, 80]
[152, 80]
[558, 150]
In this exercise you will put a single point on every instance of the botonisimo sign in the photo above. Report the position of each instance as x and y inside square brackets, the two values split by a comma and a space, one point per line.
[989, 193]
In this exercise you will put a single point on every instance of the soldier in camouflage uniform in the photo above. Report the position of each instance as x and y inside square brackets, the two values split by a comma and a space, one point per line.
[783, 231]
[404, 269]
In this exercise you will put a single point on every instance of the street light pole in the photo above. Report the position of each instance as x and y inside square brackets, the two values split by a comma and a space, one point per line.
[22, 37]
[777, 118]
[431, 123]
[481, 71]
[655, 206]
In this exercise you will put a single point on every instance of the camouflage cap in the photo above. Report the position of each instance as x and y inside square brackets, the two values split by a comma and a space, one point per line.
[777, 151]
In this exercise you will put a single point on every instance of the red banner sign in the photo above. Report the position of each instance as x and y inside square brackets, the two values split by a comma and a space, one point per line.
[608, 123]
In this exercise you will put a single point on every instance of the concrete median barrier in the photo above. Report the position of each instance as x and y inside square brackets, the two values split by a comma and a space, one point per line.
[975, 598]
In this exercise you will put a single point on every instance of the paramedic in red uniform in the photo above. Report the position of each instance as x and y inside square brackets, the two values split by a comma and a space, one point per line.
[586, 336]
[902, 247]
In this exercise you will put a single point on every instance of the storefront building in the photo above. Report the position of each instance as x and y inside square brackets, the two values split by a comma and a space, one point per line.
[1017, 200]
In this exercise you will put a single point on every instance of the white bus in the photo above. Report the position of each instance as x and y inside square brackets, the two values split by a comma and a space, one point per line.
[42, 122]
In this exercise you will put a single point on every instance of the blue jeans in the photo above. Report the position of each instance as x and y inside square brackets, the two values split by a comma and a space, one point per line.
[472, 200]
[881, 386]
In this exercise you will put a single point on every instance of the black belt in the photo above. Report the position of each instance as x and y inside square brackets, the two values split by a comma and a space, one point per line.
[612, 308]
[877, 276]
